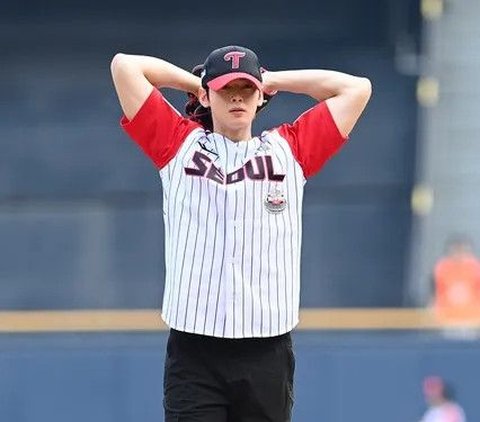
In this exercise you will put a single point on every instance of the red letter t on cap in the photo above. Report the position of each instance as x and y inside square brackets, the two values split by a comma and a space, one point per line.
[234, 56]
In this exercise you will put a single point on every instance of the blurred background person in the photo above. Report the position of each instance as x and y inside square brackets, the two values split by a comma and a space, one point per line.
[441, 404]
[456, 293]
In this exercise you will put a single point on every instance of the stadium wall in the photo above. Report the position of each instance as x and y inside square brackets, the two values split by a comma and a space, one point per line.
[340, 376]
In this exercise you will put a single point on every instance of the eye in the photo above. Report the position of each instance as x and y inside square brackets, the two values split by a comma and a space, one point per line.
[230, 89]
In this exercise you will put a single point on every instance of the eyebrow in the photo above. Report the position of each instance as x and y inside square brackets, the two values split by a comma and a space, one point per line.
[241, 85]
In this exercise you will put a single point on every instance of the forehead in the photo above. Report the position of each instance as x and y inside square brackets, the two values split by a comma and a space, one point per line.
[239, 83]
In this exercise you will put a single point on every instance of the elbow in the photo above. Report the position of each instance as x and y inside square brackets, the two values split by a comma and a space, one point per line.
[364, 89]
[118, 63]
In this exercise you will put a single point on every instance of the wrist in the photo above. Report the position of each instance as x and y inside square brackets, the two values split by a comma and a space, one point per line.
[191, 84]
[270, 87]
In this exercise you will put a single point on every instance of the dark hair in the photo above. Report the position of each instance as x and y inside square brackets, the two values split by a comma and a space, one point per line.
[194, 110]
[459, 239]
[200, 114]
[448, 391]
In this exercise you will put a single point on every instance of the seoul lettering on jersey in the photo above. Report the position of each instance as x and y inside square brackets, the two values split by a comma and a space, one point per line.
[261, 170]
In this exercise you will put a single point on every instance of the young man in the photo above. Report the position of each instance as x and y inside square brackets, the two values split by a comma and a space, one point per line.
[232, 209]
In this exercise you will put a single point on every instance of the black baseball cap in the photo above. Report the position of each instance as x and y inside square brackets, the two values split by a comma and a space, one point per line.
[229, 63]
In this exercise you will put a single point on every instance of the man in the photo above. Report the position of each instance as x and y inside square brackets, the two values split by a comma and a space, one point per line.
[232, 209]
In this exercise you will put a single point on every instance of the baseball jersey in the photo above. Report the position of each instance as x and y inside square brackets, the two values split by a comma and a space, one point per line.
[233, 217]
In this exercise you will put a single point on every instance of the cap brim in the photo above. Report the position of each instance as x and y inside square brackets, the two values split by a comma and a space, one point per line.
[221, 81]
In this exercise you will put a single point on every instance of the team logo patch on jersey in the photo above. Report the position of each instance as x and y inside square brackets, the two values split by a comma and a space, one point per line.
[275, 201]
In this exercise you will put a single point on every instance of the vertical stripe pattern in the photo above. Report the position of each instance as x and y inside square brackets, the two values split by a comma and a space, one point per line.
[232, 265]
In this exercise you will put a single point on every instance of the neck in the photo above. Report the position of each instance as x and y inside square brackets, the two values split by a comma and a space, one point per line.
[235, 135]
[439, 402]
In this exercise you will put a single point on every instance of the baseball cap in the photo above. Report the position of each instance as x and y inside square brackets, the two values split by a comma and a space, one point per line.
[226, 64]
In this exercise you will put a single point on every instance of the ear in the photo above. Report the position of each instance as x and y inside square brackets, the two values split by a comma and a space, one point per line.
[203, 97]
[260, 98]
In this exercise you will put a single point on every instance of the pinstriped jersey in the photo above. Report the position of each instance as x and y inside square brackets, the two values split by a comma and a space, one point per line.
[233, 218]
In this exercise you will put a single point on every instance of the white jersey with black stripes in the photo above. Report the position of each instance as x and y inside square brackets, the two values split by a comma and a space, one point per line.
[233, 226]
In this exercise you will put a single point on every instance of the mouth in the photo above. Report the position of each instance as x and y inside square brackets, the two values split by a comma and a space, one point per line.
[237, 110]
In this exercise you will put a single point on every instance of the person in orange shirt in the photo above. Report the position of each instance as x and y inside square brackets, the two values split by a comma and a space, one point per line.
[457, 284]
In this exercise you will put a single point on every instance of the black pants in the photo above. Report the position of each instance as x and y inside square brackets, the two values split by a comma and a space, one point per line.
[210, 379]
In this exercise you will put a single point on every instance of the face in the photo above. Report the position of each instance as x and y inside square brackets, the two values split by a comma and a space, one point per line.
[433, 390]
[233, 106]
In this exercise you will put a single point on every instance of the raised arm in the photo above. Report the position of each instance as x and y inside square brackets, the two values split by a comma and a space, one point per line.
[135, 76]
[346, 95]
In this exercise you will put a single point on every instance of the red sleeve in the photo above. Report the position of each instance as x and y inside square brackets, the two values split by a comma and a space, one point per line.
[158, 128]
[313, 137]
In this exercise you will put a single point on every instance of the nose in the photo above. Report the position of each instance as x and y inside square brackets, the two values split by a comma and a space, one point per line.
[236, 97]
